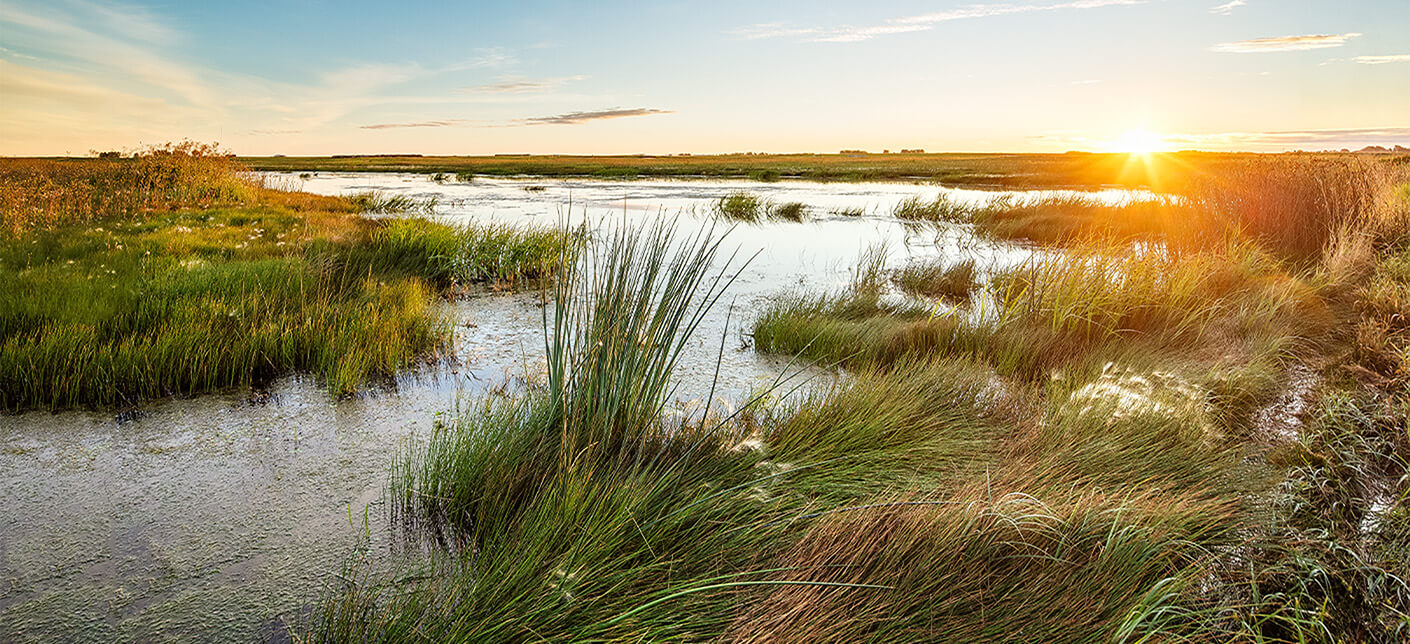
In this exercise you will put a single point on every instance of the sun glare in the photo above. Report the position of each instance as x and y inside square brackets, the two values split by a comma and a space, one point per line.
[1138, 142]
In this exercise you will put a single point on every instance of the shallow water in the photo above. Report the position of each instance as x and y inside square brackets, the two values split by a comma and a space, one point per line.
[217, 518]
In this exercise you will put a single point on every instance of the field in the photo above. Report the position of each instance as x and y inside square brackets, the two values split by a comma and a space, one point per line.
[1076, 169]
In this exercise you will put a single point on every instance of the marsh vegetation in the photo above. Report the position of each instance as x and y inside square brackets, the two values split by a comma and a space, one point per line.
[175, 272]
[1085, 447]
[1180, 418]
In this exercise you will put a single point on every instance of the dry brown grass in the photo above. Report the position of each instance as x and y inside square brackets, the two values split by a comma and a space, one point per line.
[47, 193]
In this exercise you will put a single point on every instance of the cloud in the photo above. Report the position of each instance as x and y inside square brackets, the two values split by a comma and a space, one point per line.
[574, 118]
[393, 126]
[487, 57]
[908, 24]
[771, 30]
[1381, 60]
[518, 85]
[1228, 7]
[116, 40]
[1284, 43]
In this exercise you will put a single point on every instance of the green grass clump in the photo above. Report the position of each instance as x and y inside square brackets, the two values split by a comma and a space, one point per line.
[942, 209]
[745, 207]
[383, 203]
[125, 308]
[740, 206]
[1042, 313]
[788, 211]
[954, 282]
[1076, 219]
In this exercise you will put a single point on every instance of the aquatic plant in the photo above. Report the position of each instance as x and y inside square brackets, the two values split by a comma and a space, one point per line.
[385, 203]
[942, 209]
[789, 211]
[953, 281]
[740, 206]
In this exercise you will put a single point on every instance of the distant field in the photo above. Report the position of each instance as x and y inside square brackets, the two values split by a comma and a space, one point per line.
[1082, 170]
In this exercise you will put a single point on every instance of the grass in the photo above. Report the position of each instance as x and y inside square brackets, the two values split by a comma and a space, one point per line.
[789, 211]
[745, 207]
[931, 501]
[1189, 344]
[740, 206]
[1082, 453]
[1291, 205]
[1049, 312]
[953, 282]
[130, 303]
[43, 193]
[383, 203]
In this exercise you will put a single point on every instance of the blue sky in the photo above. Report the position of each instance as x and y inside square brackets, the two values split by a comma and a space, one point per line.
[306, 77]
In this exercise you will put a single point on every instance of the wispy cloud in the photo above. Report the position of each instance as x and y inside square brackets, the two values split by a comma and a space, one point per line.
[908, 24]
[575, 118]
[519, 85]
[1284, 43]
[489, 57]
[395, 126]
[1381, 60]
[1228, 7]
[117, 40]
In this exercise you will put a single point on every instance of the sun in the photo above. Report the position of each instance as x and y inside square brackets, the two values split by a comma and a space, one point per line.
[1140, 142]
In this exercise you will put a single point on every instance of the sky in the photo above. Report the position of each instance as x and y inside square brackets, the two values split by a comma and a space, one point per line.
[305, 77]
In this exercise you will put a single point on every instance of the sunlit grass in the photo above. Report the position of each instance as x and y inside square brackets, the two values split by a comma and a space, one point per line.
[118, 306]
[884, 508]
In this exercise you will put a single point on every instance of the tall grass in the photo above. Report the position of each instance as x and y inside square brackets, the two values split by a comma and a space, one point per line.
[1043, 313]
[132, 305]
[895, 507]
[39, 193]
[954, 282]
[1294, 206]
[1156, 365]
